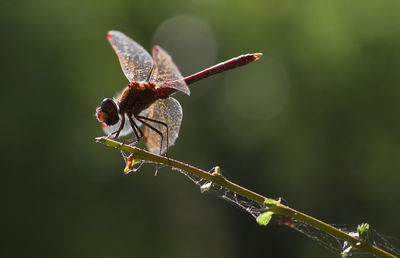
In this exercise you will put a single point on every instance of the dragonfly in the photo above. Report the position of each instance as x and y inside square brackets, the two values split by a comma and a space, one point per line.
[147, 100]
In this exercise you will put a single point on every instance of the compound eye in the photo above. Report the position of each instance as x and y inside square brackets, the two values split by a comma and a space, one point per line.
[107, 112]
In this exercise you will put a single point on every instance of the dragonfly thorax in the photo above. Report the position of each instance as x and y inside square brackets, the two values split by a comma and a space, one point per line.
[136, 97]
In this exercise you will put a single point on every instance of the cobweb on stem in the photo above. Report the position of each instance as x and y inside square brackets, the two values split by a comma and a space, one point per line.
[336, 245]
[253, 208]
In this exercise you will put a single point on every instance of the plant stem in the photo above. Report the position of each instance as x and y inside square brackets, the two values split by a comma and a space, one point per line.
[271, 205]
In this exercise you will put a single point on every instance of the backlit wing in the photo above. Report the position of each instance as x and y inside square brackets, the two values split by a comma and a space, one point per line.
[125, 131]
[135, 61]
[166, 73]
[168, 111]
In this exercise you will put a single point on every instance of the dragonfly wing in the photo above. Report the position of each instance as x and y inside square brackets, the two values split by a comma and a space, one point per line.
[166, 73]
[168, 111]
[135, 61]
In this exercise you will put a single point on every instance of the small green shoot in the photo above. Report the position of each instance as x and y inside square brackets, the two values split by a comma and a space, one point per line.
[362, 228]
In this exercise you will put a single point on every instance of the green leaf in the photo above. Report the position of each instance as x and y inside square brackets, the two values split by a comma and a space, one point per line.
[264, 218]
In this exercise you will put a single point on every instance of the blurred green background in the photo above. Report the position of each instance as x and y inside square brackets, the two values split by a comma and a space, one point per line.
[315, 121]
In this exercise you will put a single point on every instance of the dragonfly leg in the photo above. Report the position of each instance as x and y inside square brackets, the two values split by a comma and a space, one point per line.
[119, 129]
[141, 118]
[136, 130]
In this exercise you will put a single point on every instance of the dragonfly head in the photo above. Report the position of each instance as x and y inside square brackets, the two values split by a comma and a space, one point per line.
[107, 112]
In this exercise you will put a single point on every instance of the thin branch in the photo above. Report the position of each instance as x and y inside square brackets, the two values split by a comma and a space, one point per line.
[138, 155]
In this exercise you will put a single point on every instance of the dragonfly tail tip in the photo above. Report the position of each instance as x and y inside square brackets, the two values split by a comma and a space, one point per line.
[257, 56]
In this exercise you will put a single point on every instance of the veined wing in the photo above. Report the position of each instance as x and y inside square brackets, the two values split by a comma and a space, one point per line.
[168, 111]
[166, 74]
[135, 61]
